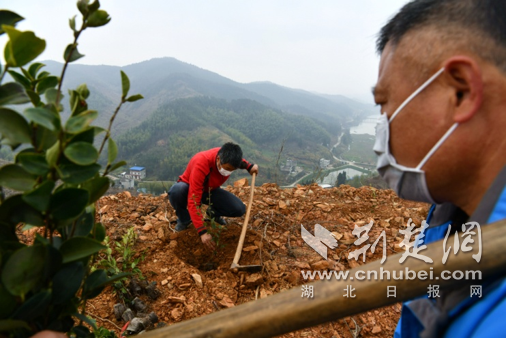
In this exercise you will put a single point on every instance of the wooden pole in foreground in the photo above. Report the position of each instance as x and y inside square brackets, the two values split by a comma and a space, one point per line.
[288, 311]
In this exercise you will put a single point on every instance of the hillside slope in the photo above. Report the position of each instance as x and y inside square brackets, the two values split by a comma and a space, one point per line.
[273, 240]
[165, 141]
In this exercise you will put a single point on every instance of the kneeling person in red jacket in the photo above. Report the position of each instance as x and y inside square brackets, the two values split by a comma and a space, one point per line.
[200, 183]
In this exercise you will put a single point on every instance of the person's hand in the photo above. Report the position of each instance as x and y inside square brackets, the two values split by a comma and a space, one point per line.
[49, 334]
[208, 241]
[254, 170]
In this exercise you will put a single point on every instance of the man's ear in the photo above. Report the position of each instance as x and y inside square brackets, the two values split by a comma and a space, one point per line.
[464, 76]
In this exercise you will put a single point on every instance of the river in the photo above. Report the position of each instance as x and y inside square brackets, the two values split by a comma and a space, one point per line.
[331, 178]
[366, 126]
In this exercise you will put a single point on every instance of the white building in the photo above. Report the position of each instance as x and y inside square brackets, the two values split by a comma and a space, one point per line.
[324, 163]
[127, 184]
[137, 173]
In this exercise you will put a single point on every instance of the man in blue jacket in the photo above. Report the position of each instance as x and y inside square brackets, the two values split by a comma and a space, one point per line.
[441, 139]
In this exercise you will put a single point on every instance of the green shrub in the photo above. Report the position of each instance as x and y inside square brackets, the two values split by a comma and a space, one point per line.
[126, 264]
[57, 180]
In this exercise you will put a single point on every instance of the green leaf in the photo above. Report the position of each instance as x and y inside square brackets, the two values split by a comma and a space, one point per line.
[8, 18]
[7, 235]
[52, 154]
[20, 79]
[77, 100]
[53, 257]
[80, 331]
[72, 23]
[75, 174]
[99, 232]
[98, 18]
[22, 47]
[117, 165]
[74, 101]
[27, 74]
[51, 95]
[71, 53]
[14, 127]
[44, 139]
[83, 91]
[43, 116]
[11, 325]
[68, 203]
[82, 5]
[78, 123]
[98, 130]
[125, 84]
[35, 164]
[67, 282]
[83, 224]
[90, 321]
[43, 75]
[8, 302]
[15, 210]
[15, 177]
[95, 283]
[112, 150]
[96, 187]
[94, 6]
[49, 82]
[13, 93]
[134, 98]
[39, 197]
[77, 248]
[34, 307]
[117, 277]
[23, 269]
[81, 153]
[34, 97]
[34, 69]
[88, 136]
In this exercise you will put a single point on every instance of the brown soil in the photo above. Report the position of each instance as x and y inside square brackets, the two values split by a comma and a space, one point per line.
[273, 240]
[203, 260]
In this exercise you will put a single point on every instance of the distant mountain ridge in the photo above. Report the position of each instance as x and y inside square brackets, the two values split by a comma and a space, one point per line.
[187, 109]
[162, 80]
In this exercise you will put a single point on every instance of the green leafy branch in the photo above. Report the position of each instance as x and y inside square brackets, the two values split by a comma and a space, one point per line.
[112, 147]
[56, 180]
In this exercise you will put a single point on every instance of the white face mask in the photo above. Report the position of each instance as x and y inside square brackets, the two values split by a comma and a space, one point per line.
[224, 172]
[408, 183]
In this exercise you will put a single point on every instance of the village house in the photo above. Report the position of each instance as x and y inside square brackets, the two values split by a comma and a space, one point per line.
[137, 173]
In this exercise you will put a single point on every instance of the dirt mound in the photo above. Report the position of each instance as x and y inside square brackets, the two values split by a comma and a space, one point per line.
[190, 250]
[194, 282]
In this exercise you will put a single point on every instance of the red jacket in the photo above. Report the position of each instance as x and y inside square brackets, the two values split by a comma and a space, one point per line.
[201, 165]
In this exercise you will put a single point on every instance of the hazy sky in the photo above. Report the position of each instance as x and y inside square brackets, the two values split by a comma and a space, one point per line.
[325, 46]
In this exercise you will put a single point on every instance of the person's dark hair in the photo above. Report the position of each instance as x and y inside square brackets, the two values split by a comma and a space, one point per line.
[230, 153]
[479, 25]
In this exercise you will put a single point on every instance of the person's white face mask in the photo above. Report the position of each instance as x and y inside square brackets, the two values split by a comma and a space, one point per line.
[408, 183]
[223, 171]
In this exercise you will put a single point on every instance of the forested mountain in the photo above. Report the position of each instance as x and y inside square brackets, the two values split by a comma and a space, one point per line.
[163, 80]
[166, 140]
[187, 109]
[359, 107]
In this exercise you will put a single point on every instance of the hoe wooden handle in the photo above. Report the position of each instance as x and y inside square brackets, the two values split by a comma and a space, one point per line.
[238, 252]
